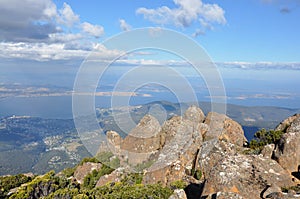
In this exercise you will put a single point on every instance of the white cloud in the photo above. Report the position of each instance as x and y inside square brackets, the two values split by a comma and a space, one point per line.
[185, 14]
[101, 53]
[63, 37]
[93, 30]
[50, 10]
[38, 30]
[124, 25]
[67, 16]
[38, 51]
[30, 20]
[198, 32]
[261, 65]
[55, 51]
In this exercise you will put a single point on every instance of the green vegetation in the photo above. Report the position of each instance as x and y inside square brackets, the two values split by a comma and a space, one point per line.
[51, 186]
[132, 179]
[121, 191]
[68, 172]
[89, 159]
[179, 184]
[92, 178]
[264, 137]
[37, 185]
[9, 182]
[197, 174]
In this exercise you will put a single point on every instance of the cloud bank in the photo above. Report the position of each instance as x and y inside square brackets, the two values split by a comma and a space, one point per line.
[38, 30]
[185, 14]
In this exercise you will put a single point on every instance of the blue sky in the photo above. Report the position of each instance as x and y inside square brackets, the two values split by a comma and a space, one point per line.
[229, 30]
[255, 43]
[254, 31]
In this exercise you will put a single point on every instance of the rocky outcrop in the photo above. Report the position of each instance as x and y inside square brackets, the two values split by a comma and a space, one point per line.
[267, 151]
[83, 170]
[114, 176]
[178, 194]
[223, 128]
[142, 142]
[286, 123]
[224, 195]
[213, 145]
[144, 137]
[114, 141]
[176, 156]
[194, 114]
[287, 151]
[244, 175]
[186, 145]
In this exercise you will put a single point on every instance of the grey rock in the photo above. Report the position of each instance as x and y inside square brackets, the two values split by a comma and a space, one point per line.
[194, 114]
[178, 194]
[271, 189]
[224, 195]
[268, 150]
[182, 142]
[227, 171]
[223, 128]
[287, 151]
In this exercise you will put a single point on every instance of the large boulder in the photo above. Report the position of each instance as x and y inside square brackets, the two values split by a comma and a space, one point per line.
[287, 151]
[114, 141]
[194, 114]
[144, 137]
[244, 175]
[223, 128]
[212, 152]
[286, 123]
[142, 142]
[224, 195]
[182, 141]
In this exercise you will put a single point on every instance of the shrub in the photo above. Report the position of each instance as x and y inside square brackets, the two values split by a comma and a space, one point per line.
[92, 178]
[132, 179]
[178, 184]
[68, 172]
[264, 137]
[9, 182]
[63, 194]
[123, 191]
[89, 159]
